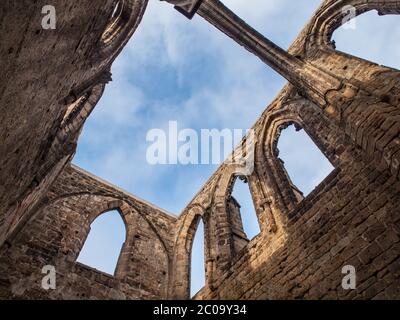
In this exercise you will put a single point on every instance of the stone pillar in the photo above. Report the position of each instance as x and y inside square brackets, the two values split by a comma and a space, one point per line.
[239, 237]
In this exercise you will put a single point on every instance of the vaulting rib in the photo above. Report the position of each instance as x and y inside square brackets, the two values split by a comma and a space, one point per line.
[314, 82]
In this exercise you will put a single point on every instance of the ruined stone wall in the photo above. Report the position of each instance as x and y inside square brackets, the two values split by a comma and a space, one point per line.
[348, 106]
[44, 72]
[351, 218]
[56, 234]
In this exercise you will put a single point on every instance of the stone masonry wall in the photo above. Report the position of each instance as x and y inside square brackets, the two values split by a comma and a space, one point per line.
[56, 234]
[348, 106]
[44, 71]
[351, 218]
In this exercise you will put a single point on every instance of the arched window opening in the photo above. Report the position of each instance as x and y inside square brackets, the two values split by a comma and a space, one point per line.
[197, 268]
[246, 217]
[371, 37]
[104, 242]
[305, 164]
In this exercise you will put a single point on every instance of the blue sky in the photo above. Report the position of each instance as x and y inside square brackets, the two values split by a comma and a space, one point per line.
[174, 69]
[102, 247]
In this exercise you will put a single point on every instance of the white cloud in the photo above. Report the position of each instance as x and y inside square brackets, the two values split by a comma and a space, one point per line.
[120, 104]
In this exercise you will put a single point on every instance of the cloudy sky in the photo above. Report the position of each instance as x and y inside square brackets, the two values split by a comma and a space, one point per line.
[175, 69]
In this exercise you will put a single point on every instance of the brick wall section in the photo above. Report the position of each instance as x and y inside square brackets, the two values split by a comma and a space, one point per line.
[352, 219]
[57, 232]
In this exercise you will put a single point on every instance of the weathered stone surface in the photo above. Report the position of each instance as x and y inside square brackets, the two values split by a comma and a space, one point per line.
[348, 106]
[44, 71]
[56, 234]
